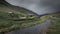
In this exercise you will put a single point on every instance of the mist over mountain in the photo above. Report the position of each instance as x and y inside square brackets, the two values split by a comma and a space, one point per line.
[38, 6]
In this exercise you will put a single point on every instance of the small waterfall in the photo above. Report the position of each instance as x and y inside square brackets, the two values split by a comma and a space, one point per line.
[38, 6]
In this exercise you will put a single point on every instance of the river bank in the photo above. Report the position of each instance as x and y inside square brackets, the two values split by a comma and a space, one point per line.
[11, 17]
[55, 27]
[37, 29]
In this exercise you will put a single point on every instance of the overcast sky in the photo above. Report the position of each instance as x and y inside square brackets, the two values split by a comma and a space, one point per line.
[38, 6]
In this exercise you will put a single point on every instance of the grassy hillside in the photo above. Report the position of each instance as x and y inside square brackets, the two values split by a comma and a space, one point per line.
[55, 27]
[12, 17]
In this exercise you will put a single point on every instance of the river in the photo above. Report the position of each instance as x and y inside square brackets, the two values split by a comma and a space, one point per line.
[40, 7]
[37, 29]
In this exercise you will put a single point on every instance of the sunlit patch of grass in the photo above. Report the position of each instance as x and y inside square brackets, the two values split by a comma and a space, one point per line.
[34, 21]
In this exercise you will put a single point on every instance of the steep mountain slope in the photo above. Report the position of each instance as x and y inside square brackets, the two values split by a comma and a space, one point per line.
[13, 17]
[16, 8]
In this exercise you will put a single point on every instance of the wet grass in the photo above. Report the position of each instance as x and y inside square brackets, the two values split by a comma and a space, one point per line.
[7, 25]
[55, 27]
[10, 22]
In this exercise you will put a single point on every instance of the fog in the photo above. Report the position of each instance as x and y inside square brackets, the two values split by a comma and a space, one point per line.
[38, 6]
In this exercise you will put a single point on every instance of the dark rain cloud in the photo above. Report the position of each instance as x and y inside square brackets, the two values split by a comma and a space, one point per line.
[38, 6]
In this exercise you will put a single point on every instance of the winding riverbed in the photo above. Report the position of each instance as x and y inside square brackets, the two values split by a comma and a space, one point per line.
[37, 29]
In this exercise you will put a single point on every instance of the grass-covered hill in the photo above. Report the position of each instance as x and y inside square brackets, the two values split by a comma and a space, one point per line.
[13, 17]
[55, 27]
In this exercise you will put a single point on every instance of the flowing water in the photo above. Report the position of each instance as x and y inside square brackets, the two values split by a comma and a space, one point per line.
[40, 7]
[37, 29]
